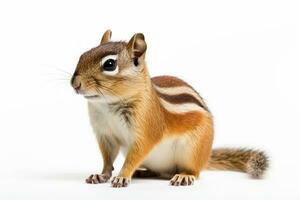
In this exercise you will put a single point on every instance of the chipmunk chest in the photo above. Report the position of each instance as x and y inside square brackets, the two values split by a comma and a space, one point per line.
[112, 120]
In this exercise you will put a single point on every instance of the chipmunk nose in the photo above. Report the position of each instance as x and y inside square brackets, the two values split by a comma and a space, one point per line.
[76, 84]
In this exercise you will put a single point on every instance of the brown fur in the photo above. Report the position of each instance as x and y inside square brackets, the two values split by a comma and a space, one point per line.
[139, 104]
[171, 81]
[168, 81]
[253, 162]
[179, 99]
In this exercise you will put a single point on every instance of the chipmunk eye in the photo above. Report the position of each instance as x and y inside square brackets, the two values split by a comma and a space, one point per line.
[109, 65]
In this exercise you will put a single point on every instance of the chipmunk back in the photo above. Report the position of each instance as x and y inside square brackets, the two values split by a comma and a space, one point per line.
[161, 124]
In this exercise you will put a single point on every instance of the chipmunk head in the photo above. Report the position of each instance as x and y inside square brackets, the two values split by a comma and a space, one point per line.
[112, 69]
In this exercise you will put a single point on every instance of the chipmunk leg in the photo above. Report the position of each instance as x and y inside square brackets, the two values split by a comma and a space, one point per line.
[135, 156]
[198, 151]
[109, 150]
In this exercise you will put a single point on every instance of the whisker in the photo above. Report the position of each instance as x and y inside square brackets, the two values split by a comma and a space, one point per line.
[114, 93]
[95, 83]
[61, 70]
[98, 89]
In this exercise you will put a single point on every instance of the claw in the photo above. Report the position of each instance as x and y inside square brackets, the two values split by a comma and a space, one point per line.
[118, 182]
[97, 178]
[180, 179]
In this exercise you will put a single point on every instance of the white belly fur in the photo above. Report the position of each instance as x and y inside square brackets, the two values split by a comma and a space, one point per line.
[165, 157]
[162, 158]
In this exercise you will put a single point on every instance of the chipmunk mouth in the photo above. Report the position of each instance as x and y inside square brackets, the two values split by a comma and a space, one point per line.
[91, 96]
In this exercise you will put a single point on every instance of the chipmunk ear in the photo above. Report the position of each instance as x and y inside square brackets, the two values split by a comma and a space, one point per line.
[106, 37]
[137, 46]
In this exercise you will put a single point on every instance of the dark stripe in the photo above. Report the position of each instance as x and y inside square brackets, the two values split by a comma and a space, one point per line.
[168, 81]
[124, 109]
[180, 99]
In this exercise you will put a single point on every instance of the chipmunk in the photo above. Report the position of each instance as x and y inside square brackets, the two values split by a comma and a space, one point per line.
[161, 124]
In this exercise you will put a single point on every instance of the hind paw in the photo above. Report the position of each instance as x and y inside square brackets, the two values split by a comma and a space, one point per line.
[119, 181]
[184, 180]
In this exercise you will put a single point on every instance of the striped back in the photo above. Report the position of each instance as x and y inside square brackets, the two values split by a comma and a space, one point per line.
[177, 96]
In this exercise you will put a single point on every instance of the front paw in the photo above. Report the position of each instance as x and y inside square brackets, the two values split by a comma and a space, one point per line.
[97, 178]
[119, 181]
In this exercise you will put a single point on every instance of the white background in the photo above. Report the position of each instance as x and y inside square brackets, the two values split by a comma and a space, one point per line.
[242, 56]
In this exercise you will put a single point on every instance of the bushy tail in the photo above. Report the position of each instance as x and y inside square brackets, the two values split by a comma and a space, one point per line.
[252, 162]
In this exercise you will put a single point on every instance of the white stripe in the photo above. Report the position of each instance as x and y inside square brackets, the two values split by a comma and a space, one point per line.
[180, 108]
[178, 90]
